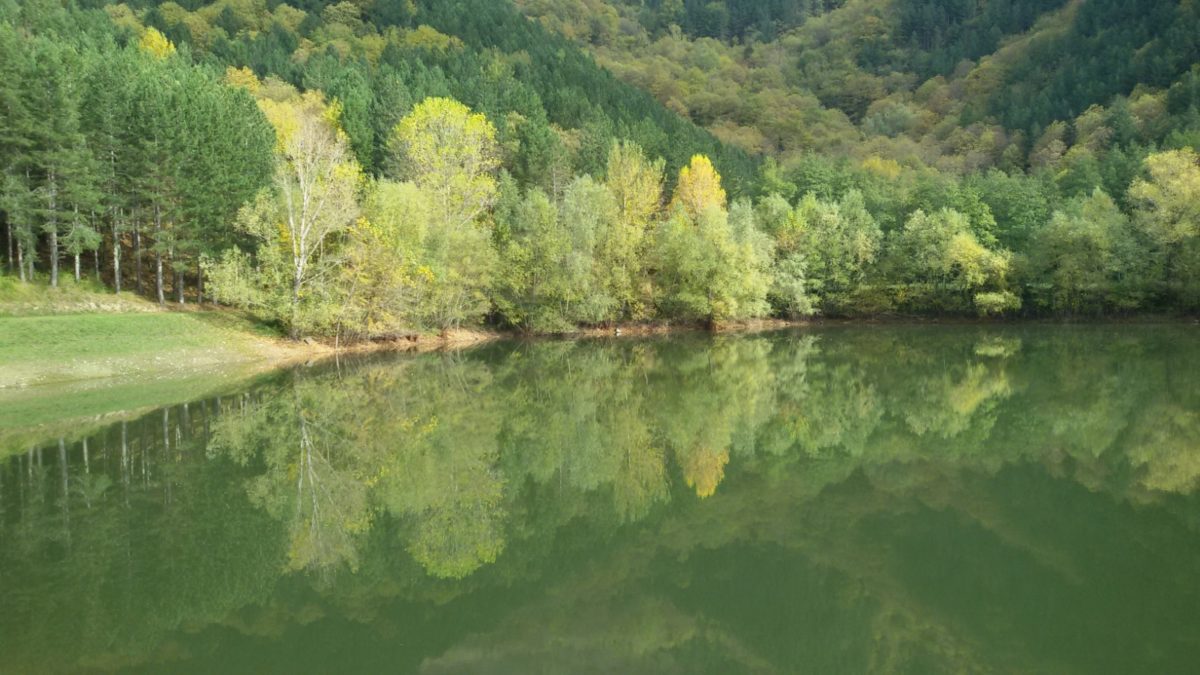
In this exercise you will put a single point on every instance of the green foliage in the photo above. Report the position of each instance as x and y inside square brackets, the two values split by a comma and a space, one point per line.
[714, 268]
[1087, 259]
[368, 170]
[838, 241]
[942, 263]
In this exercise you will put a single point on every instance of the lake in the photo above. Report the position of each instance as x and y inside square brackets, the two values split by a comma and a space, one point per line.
[893, 499]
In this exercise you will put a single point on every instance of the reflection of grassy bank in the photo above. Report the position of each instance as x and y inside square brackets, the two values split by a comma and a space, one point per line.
[77, 409]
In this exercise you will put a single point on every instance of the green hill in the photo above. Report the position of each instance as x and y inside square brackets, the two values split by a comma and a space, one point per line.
[372, 168]
[950, 83]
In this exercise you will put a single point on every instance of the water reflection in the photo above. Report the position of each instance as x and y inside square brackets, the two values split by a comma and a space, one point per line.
[890, 500]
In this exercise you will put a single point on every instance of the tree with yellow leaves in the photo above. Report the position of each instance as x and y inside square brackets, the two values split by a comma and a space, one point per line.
[314, 199]
[156, 44]
[446, 149]
[1169, 202]
[451, 155]
[699, 188]
[635, 181]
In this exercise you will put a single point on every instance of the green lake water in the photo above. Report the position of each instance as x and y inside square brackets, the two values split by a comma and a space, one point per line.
[934, 499]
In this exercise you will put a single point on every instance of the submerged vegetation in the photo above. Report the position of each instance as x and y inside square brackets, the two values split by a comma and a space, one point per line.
[369, 169]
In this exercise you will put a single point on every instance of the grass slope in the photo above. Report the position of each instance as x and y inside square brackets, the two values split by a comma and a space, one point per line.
[40, 349]
[77, 333]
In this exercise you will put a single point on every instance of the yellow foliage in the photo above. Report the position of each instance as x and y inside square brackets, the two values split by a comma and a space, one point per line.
[886, 168]
[451, 152]
[244, 78]
[427, 37]
[156, 44]
[699, 188]
[635, 182]
[285, 115]
[704, 469]
[1169, 203]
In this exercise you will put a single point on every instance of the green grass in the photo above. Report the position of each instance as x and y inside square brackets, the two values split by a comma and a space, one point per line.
[77, 357]
[53, 348]
[80, 331]
[37, 298]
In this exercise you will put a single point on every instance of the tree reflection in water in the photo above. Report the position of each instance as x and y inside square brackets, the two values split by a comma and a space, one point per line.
[842, 500]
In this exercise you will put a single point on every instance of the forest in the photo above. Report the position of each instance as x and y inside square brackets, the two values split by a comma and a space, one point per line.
[367, 169]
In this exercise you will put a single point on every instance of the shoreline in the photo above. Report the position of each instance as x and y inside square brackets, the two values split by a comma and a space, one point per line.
[260, 352]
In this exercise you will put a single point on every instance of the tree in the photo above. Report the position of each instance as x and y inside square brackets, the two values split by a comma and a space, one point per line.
[602, 258]
[1086, 258]
[313, 200]
[839, 243]
[62, 166]
[636, 185]
[944, 264]
[1168, 202]
[715, 268]
[451, 155]
[529, 282]
[450, 152]
[699, 188]
[1167, 210]
[385, 270]
[81, 237]
[635, 181]
[156, 44]
[17, 203]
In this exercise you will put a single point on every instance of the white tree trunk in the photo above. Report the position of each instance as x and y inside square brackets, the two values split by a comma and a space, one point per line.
[158, 263]
[116, 257]
[53, 235]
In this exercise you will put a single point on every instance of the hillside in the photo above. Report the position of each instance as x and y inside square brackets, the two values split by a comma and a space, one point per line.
[379, 58]
[368, 169]
[957, 84]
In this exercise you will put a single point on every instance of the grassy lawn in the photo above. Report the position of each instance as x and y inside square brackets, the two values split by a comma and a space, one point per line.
[95, 357]
[52, 348]
[78, 332]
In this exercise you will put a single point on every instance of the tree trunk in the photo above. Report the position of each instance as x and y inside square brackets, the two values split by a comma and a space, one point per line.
[137, 257]
[77, 277]
[53, 256]
[199, 283]
[158, 278]
[293, 330]
[53, 236]
[116, 257]
[21, 261]
[179, 281]
[8, 231]
[158, 264]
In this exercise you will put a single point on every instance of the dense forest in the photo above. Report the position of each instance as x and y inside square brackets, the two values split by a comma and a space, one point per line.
[368, 168]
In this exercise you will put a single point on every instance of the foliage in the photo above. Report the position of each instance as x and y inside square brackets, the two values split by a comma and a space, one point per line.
[366, 170]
